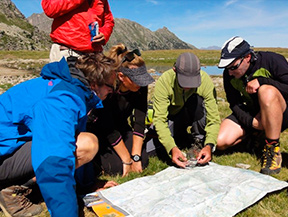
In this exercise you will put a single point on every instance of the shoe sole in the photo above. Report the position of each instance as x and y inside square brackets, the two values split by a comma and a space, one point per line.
[6, 213]
[270, 172]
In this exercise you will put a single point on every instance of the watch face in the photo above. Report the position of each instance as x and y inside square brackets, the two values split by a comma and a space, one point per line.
[136, 158]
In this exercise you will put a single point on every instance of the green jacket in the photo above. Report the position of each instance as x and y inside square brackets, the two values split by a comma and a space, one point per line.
[169, 98]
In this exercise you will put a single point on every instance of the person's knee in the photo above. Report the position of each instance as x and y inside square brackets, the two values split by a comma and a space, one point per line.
[268, 95]
[221, 142]
[87, 148]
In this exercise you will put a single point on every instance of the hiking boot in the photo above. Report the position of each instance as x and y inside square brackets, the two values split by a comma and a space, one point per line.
[13, 202]
[271, 159]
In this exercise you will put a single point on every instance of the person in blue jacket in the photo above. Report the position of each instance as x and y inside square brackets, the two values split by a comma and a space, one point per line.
[42, 133]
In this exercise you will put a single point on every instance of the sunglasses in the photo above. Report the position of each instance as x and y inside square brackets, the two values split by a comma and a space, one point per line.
[110, 86]
[130, 55]
[236, 66]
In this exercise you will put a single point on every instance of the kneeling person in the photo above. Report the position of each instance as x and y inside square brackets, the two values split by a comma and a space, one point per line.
[186, 95]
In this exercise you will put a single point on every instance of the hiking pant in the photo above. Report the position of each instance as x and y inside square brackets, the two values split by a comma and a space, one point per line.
[16, 168]
[109, 160]
[191, 116]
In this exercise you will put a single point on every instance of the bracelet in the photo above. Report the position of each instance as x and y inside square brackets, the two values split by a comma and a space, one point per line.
[129, 163]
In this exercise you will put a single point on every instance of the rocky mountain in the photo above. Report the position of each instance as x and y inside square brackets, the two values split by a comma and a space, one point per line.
[132, 34]
[16, 33]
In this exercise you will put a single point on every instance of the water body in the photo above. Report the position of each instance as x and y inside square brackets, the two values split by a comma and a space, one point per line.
[211, 70]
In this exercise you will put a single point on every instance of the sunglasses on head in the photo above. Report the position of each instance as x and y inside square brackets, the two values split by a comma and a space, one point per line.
[236, 66]
[130, 55]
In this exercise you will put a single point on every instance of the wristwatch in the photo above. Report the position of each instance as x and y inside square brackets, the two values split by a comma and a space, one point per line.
[136, 158]
[212, 146]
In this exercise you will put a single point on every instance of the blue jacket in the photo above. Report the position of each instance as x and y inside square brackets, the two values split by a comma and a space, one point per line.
[51, 111]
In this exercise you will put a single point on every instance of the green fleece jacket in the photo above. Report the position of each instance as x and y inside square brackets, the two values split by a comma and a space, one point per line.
[169, 98]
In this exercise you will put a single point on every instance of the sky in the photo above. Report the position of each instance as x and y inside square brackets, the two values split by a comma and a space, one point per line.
[202, 23]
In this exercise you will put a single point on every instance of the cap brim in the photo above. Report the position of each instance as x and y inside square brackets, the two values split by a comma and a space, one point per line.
[225, 62]
[142, 80]
[189, 81]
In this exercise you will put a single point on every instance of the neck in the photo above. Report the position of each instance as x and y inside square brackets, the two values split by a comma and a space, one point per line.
[122, 88]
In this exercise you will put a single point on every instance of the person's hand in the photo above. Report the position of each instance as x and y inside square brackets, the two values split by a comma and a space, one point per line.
[126, 169]
[205, 155]
[107, 184]
[137, 167]
[178, 157]
[99, 39]
[252, 86]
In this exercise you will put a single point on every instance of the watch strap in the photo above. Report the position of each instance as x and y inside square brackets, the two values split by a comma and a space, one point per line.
[212, 146]
[136, 158]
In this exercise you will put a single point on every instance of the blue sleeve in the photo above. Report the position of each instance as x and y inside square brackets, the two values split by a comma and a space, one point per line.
[55, 122]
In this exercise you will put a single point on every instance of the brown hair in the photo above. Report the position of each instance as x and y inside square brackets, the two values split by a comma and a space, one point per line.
[118, 52]
[97, 68]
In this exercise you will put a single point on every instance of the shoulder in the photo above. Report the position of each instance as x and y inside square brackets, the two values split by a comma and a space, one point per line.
[205, 78]
[167, 77]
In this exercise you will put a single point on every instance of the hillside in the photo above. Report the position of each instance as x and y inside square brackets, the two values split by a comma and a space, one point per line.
[16, 33]
[132, 34]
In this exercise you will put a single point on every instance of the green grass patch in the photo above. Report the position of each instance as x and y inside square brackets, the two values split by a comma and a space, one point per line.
[272, 205]
[23, 54]
[16, 22]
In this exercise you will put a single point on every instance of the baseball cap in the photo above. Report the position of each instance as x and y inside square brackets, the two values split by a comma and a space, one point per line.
[139, 75]
[232, 49]
[187, 69]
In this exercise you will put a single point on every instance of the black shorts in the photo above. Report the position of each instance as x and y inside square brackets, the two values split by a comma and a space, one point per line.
[16, 169]
[233, 118]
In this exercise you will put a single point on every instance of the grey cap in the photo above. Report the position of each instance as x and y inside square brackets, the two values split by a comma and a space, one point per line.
[187, 68]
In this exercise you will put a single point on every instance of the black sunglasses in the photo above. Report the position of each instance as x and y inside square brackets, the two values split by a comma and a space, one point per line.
[130, 55]
[110, 86]
[236, 66]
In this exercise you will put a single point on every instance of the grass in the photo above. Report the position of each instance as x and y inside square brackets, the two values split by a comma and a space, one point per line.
[23, 54]
[272, 205]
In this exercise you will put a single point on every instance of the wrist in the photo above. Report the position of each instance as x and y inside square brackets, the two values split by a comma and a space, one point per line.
[127, 162]
[212, 146]
[136, 158]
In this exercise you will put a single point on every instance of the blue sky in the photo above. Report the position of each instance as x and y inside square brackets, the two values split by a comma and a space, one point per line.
[202, 23]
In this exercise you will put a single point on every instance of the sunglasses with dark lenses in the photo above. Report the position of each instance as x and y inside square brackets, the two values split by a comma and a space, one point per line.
[236, 66]
[110, 86]
[130, 55]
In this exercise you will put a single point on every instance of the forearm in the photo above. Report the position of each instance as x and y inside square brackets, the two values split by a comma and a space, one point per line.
[164, 135]
[137, 145]
[122, 152]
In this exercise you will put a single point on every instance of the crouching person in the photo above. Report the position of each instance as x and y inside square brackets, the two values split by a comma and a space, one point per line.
[42, 133]
[186, 95]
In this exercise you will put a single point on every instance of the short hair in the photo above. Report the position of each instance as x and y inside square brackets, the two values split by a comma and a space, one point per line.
[96, 67]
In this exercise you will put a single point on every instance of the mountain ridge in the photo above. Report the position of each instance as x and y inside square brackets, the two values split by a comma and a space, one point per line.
[128, 32]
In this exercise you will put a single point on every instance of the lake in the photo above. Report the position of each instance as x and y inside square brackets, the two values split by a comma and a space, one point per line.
[211, 70]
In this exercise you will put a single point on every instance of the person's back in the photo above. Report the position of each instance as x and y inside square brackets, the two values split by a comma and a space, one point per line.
[43, 124]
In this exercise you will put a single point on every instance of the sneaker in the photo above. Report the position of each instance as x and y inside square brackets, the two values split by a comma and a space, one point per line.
[13, 202]
[271, 159]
